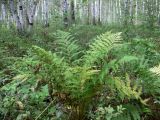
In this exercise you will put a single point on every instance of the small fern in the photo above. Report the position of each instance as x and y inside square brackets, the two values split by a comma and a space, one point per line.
[131, 112]
[125, 89]
[156, 70]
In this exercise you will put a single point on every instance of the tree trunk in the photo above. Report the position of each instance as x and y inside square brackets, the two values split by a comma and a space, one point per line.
[3, 11]
[20, 7]
[94, 13]
[89, 11]
[65, 13]
[131, 12]
[99, 9]
[31, 14]
[72, 12]
[46, 18]
[126, 12]
[15, 16]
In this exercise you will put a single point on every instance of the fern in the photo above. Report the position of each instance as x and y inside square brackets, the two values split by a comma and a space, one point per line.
[108, 113]
[78, 82]
[131, 112]
[66, 46]
[126, 90]
[128, 58]
[73, 78]
[156, 70]
[100, 47]
[48, 57]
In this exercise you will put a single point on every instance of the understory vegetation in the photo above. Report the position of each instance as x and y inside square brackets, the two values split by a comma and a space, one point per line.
[80, 71]
[58, 77]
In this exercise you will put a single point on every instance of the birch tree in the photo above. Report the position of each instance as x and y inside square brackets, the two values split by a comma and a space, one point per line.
[3, 10]
[24, 14]
[15, 16]
[46, 13]
[65, 13]
[72, 11]
[31, 14]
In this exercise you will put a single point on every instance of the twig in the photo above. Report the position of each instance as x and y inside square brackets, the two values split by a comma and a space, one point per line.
[44, 110]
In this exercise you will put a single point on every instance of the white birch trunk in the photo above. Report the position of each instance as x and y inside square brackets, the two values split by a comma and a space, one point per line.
[3, 10]
[31, 14]
[46, 18]
[136, 14]
[65, 13]
[15, 15]
[20, 12]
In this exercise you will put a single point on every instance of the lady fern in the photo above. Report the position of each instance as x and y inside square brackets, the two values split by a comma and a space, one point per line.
[77, 83]
[66, 46]
[156, 70]
[74, 78]
[131, 112]
[101, 46]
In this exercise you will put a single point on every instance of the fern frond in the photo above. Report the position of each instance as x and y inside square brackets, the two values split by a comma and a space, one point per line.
[128, 58]
[52, 66]
[67, 46]
[126, 90]
[156, 70]
[131, 112]
[48, 57]
[69, 79]
[102, 45]
[78, 80]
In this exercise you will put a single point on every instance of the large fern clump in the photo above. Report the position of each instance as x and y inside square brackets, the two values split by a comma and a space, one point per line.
[74, 76]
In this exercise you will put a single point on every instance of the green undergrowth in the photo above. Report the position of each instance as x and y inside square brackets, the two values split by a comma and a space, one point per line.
[83, 72]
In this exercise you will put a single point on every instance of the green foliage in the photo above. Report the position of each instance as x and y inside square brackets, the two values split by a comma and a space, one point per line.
[66, 46]
[71, 80]
[100, 47]
[125, 89]
[108, 113]
[156, 70]
[131, 112]
[82, 81]
[86, 34]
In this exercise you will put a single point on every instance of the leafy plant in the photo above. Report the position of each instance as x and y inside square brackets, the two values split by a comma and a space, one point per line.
[156, 70]
[108, 113]
[75, 81]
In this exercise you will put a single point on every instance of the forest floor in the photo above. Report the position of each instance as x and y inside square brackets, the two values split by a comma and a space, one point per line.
[25, 79]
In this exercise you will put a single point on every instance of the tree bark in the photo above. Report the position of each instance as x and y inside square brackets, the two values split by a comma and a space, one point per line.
[3, 11]
[46, 18]
[20, 7]
[94, 13]
[72, 12]
[99, 9]
[65, 13]
[15, 16]
[31, 14]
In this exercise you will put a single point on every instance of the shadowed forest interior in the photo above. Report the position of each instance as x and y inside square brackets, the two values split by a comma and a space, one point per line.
[79, 59]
